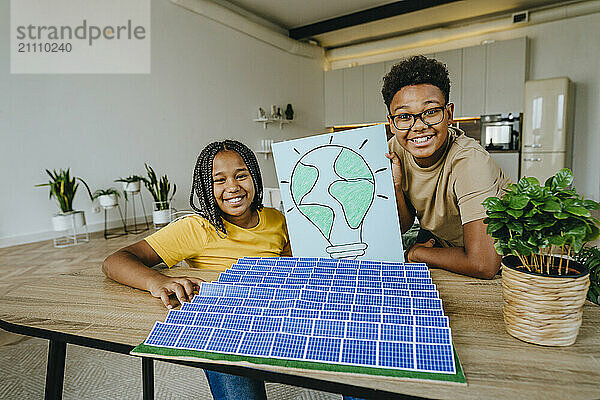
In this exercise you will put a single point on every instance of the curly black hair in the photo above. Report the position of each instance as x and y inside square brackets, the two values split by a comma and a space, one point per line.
[202, 183]
[415, 70]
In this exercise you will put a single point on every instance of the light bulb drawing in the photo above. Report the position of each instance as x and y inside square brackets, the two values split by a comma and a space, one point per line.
[335, 197]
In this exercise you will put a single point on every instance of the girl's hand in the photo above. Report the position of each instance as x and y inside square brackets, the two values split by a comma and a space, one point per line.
[396, 168]
[410, 253]
[182, 287]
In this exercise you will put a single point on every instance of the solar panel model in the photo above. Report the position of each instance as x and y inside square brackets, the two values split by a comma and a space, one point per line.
[347, 312]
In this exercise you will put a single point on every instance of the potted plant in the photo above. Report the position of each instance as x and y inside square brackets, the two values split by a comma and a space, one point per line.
[131, 183]
[108, 198]
[64, 187]
[538, 229]
[590, 257]
[159, 189]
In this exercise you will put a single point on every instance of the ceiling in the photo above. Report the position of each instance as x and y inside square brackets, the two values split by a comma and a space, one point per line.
[295, 14]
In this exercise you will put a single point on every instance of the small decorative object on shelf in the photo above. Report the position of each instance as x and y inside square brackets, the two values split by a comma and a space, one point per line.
[262, 115]
[289, 112]
[273, 111]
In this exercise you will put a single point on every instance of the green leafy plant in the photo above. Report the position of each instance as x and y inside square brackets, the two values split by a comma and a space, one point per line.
[130, 179]
[103, 192]
[590, 257]
[64, 187]
[534, 222]
[159, 189]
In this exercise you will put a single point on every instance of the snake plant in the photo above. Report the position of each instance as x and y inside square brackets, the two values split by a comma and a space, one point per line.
[63, 186]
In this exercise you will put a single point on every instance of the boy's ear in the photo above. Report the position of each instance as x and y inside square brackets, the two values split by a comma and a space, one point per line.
[450, 110]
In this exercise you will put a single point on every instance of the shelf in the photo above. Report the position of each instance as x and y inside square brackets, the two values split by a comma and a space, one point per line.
[267, 121]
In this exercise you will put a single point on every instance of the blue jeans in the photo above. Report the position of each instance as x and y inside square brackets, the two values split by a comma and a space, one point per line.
[232, 387]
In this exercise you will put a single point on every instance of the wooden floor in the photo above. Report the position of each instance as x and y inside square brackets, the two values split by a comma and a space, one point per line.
[23, 360]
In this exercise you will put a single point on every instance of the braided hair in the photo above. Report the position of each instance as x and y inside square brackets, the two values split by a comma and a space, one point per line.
[202, 182]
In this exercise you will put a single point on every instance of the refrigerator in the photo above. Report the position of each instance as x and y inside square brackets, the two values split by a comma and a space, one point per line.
[547, 127]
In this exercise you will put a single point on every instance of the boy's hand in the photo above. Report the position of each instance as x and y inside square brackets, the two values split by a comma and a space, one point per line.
[410, 253]
[396, 168]
[182, 287]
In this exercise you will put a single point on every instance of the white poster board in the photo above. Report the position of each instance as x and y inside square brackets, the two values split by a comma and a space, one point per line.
[338, 195]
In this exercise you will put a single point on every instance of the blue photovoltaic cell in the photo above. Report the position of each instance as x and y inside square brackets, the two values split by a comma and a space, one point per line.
[435, 357]
[266, 324]
[396, 355]
[431, 334]
[336, 315]
[365, 317]
[357, 308]
[224, 340]
[343, 298]
[424, 293]
[229, 278]
[421, 286]
[367, 300]
[289, 346]
[220, 309]
[308, 305]
[239, 322]
[274, 279]
[285, 294]
[299, 313]
[363, 352]
[323, 349]
[261, 293]
[256, 303]
[194, 337]
[164, 334]
[397, 319]
[313, 295]
[424, 303]
[337, 307]
[397, 333]
[188, 306]
[390, 301]
[364, 290]
[362, 330]
[329, 328]
[228, 301]
[205, 300]
[437, 312]
[213, 320]
[237, 291]
[248, 310]
[344, 289]
[257, 343]
[298, 326]
[282, 312]
[296, 281]
[424, 320]
[281, 303]
[180, 317]
[211, 289]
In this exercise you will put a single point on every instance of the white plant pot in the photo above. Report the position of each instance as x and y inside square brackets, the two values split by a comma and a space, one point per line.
[161, 217]
[131, 187]
[108, 200]
[62, 222]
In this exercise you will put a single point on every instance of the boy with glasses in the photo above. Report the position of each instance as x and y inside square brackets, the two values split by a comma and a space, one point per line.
[441, 176]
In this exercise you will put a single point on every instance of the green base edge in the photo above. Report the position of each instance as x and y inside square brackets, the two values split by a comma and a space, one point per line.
[458, 377]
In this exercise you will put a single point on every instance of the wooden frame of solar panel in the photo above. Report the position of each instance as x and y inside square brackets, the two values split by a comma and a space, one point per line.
[364, 314]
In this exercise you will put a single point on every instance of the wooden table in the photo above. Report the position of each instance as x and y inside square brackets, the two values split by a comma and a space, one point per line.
[85, 308]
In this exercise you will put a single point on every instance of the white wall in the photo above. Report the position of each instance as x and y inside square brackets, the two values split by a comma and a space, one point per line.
[206, 84]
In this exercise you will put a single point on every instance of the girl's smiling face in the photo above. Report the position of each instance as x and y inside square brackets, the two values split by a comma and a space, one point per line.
[233, 188]
[425, 143]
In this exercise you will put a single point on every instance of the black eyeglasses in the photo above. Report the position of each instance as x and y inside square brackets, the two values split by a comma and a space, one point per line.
[430, 117]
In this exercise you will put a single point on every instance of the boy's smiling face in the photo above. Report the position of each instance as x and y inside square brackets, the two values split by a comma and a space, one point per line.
[425, 143]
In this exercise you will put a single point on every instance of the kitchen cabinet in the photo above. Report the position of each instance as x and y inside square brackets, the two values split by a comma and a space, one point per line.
[505, 76]
[375, 110]
[334, 95]
[453, 61]
[508, 161]
[542, 165]
[473, 82]
[354, 102]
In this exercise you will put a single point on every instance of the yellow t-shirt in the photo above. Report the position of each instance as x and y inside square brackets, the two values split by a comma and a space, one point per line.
[196, 241]
[449, 193]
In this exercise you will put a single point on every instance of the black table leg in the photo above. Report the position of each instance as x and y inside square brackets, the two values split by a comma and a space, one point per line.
[55, 371]
[148, 378]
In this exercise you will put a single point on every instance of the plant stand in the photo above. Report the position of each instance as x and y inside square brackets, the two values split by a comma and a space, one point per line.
[135, 230]
[76, 231]
[107, 233]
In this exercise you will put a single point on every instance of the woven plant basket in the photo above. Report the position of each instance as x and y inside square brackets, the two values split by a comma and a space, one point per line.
[543, 309]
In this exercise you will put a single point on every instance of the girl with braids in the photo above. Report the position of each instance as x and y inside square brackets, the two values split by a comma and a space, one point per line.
[230, 223]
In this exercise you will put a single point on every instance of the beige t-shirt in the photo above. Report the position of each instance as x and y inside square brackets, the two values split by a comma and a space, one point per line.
[449, 194]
